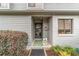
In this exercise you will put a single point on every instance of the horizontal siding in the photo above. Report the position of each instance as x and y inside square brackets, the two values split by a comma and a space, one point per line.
[16, 23]
[66, 40]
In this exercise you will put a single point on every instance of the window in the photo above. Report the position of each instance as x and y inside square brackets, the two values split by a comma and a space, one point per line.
[31, 4]
[65, 26]
[35, 6]
[4, 5]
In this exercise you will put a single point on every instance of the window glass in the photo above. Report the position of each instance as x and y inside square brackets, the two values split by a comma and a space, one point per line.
[65, 26]
[31, 4]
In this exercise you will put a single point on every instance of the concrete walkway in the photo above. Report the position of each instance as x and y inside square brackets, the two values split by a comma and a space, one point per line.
[37, 52]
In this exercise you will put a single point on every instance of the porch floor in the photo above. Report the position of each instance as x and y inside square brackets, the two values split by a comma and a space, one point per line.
[38, 43]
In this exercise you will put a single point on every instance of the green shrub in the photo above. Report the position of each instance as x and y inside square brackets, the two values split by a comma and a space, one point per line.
[69, 50]
[56, 48]
[76, 52]
[64, 51]
[13, 42]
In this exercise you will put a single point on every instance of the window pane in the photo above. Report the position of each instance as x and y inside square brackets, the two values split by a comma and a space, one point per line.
[61, 31]
[61, 24]
[67, 31]
[31, 4]
[68, 24]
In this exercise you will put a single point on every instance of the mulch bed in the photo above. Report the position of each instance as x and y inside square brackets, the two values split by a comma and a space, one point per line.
[51, 53]
[24, 53]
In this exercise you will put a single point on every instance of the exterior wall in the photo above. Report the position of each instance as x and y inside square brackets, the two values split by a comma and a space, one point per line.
[24, 6]
[24, 23]
[57, 6]
[16, 23]
[18, 6]
[46, 6]
[66, 39]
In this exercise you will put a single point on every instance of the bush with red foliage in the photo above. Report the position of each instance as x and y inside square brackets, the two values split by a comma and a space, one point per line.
[13, 43]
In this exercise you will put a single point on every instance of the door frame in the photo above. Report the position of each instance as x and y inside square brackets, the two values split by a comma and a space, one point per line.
[42, 24]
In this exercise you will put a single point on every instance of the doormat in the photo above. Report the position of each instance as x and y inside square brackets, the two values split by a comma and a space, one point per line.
[37, 52]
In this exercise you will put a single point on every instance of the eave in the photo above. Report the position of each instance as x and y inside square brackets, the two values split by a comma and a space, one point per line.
[39, 12]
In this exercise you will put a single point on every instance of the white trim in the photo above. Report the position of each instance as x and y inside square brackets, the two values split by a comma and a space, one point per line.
[65, 35]
[45, 52]
[30, 52]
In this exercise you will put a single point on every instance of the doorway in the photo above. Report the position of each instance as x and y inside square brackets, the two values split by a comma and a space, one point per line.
[38, 30]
